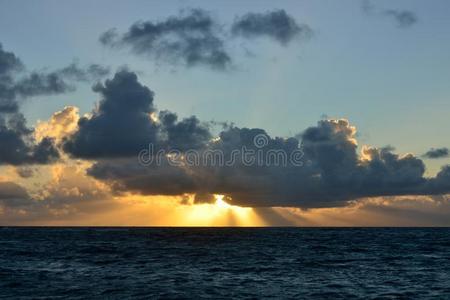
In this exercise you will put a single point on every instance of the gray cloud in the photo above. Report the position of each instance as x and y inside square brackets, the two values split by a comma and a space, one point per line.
[9, 62]
[276, 24]
[16, 84]
[333, 173]
[404, 211]
[127, 175]
[122, 125]
[13, 195]
[18, 146]
[403, 18]
[195, 38]
[192, 38]
[437, 153]
[16, 139]
[183, 135]
[59, 81]
[69, 197]
[9, 66]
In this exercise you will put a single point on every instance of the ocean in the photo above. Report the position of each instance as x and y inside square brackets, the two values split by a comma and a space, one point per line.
[224, 263]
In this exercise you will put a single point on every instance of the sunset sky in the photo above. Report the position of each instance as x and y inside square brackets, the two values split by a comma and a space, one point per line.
[360, 88]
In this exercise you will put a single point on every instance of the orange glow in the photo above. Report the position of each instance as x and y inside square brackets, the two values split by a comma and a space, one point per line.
[221, 214]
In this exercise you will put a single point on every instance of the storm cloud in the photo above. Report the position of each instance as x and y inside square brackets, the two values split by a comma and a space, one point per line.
[333, 169]
[191, 38]
[276, 24]
[123, 124]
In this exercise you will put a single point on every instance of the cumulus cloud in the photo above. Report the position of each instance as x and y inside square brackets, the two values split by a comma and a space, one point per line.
[276, 24]
[123, 124]
[186, 134]
[435, 153]
[60, 125]
[335, 176]
[192, 38]
[402, 18]
[333, 170]
[18, 145]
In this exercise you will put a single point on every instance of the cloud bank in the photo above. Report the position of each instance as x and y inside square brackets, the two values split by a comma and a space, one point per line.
[334, 172]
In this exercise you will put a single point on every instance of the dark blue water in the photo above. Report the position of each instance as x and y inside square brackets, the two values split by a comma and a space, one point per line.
[224, 263]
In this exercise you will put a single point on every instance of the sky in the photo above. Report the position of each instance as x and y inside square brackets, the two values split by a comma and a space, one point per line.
[360, 88]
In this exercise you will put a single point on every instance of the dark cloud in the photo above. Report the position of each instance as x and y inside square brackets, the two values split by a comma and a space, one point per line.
[333, 173]
[203, 198]
[9, 66]
[59, 81]
[195, 38]
[192, 38]
[9, 62]
[90, 73]
[328, 169]
[127, 175]
[441, 183]
[13, 195]
[437, 153]
[403, 18]
[183, 135]
[16, 84]
[37, 84]
[122, 125]
[18, 146]
[276, 24]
